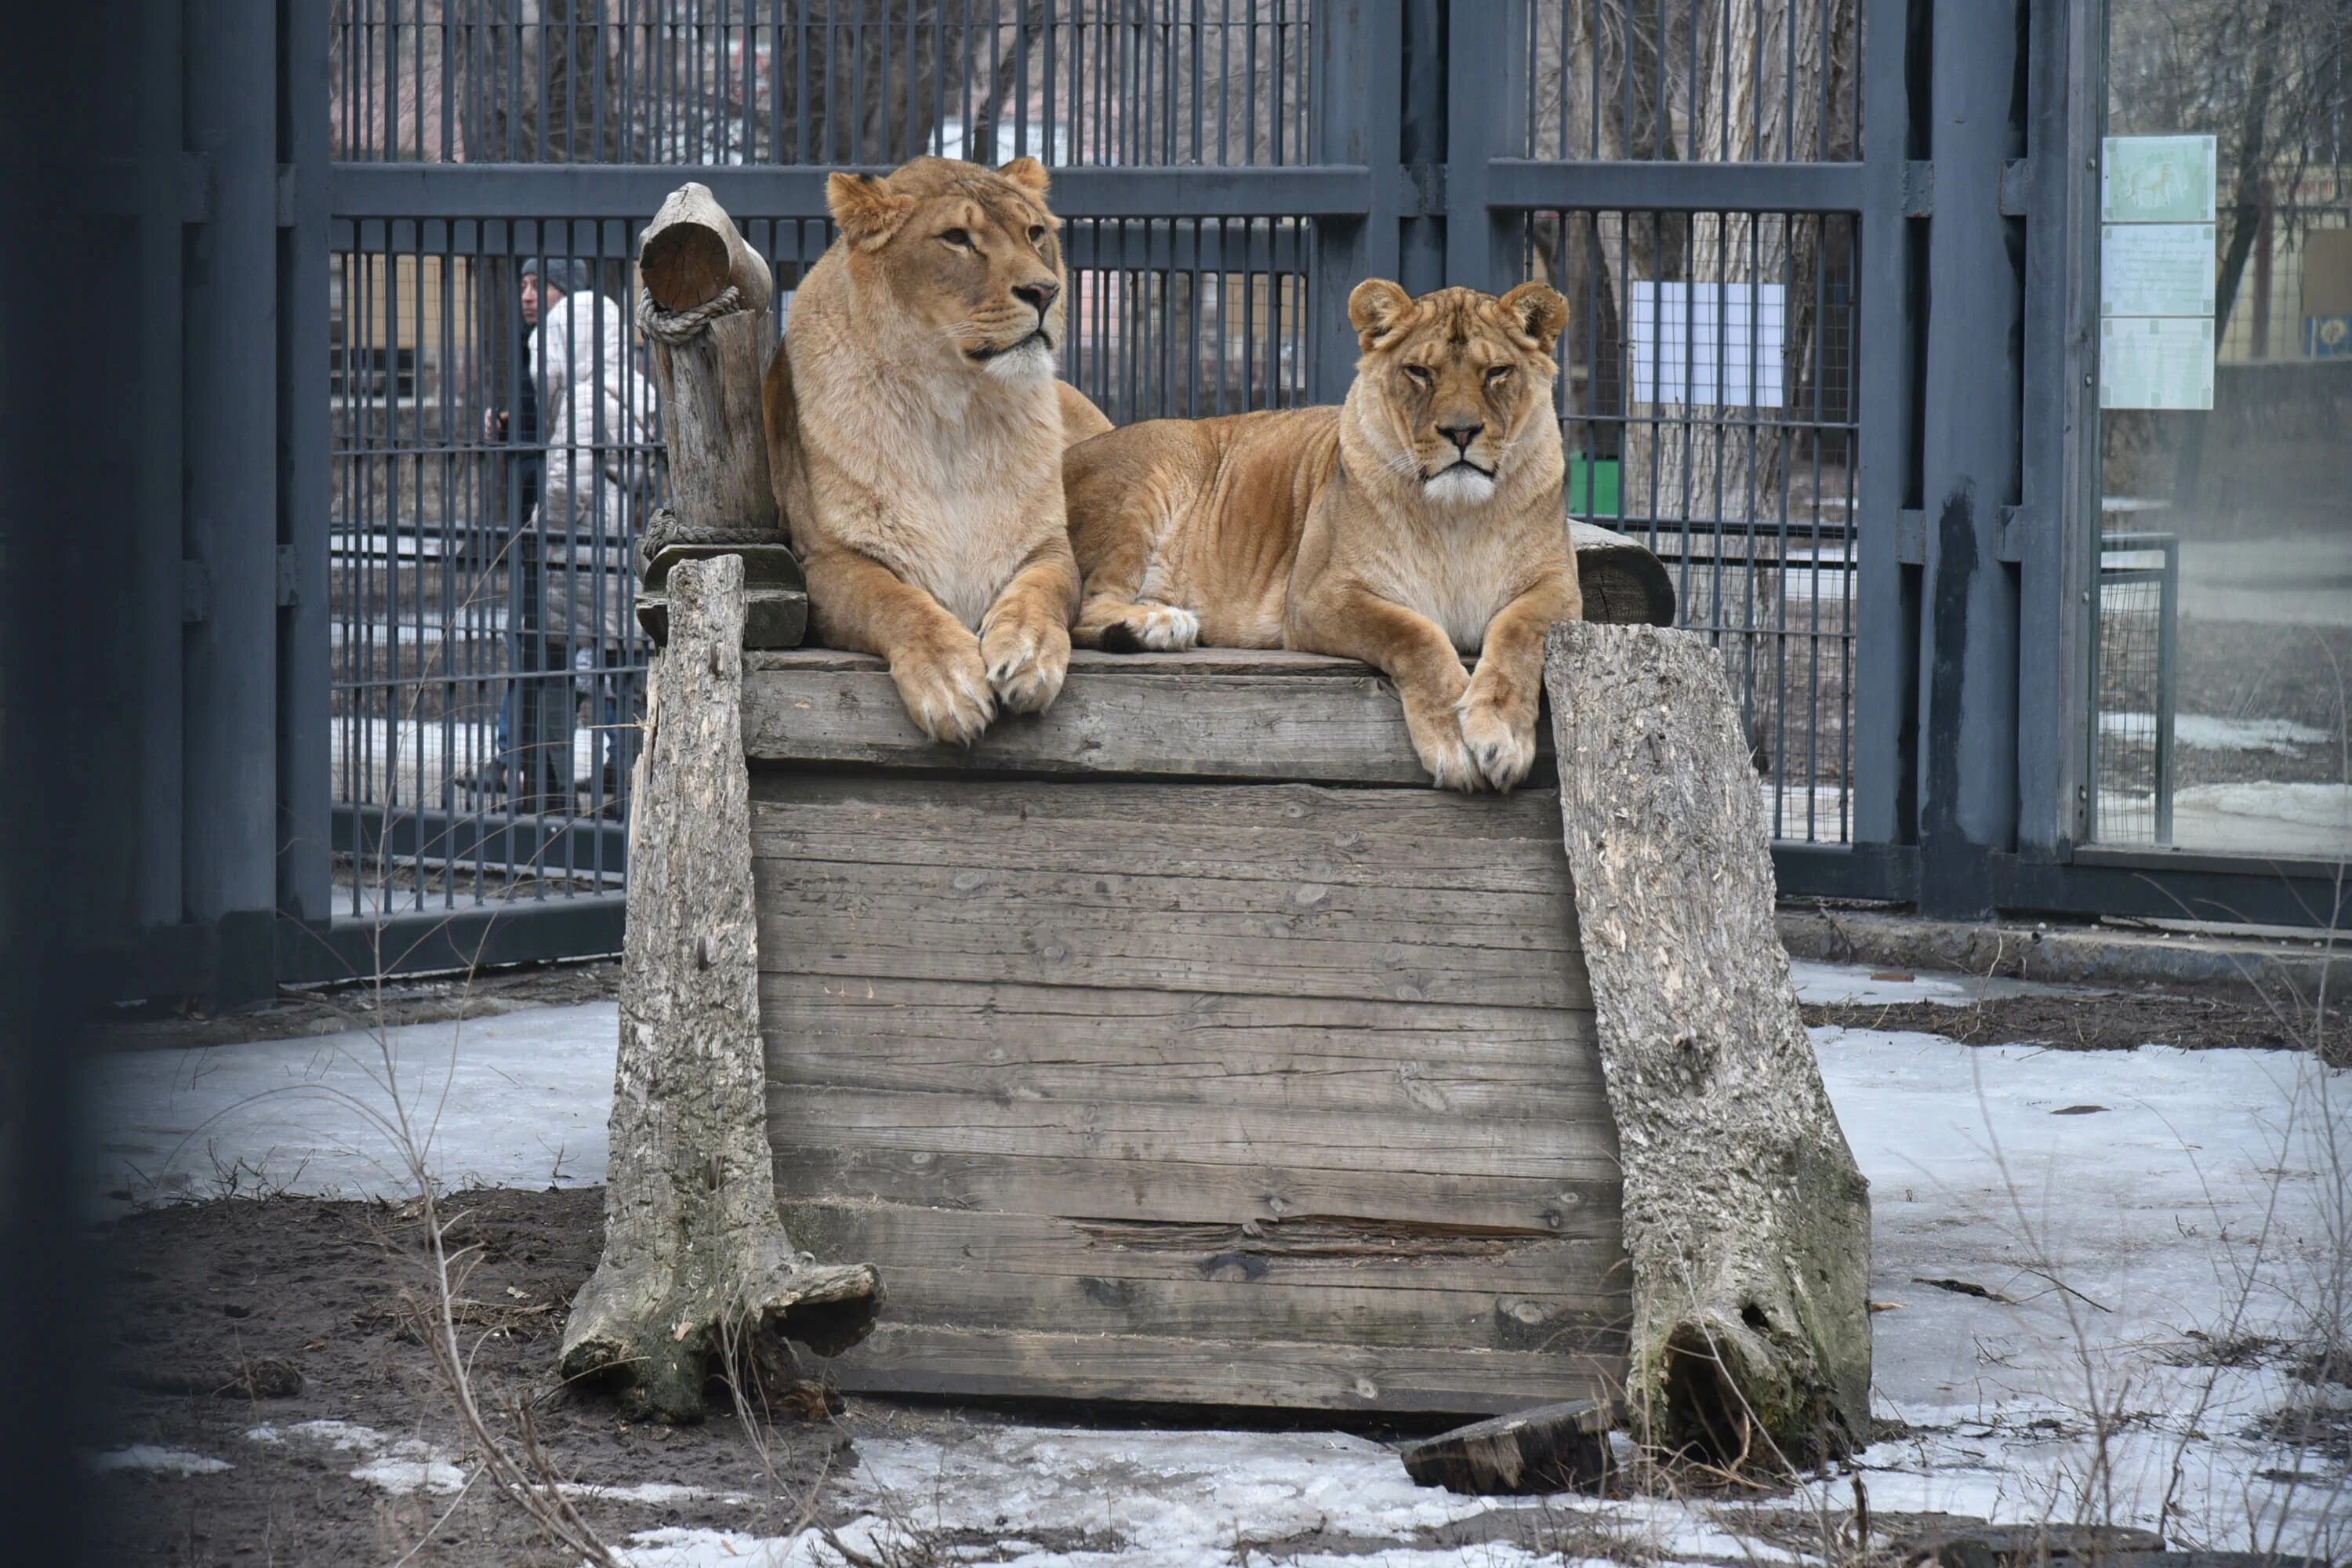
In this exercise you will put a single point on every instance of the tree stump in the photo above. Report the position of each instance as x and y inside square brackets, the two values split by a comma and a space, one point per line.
[704, 309]
[695, 1260]
[1746, 1221]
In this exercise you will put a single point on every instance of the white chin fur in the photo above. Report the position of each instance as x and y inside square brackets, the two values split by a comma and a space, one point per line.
[1029, 362]
[1459, 486]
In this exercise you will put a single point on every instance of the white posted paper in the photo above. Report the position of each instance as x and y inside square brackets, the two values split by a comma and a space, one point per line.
[2156, 269]
[1716, 344]
[2156, 362]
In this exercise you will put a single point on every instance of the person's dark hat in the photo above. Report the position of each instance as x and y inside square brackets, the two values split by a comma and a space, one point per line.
[565, 272]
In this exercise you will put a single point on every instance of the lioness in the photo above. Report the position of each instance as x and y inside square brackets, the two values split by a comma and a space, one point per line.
[1423, 516]
[915, 437]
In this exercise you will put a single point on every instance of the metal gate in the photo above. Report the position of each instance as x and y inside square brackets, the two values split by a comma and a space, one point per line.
[1227, 171]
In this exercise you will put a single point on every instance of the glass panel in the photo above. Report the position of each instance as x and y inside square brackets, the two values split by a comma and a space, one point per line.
[2222, 638]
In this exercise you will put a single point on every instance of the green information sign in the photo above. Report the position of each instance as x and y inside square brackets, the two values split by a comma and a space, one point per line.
[2156, 179]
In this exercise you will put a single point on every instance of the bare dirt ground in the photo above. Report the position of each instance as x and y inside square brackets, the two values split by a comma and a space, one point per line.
[213, 1298]
[2119, 1021]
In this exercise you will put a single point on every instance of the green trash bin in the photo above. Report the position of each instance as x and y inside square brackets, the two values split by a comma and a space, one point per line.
[1592, 487]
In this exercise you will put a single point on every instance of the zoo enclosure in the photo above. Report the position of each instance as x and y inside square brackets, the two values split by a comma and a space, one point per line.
[1751, 204]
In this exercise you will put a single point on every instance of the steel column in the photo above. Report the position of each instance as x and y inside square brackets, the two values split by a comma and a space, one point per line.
[1968, 458]
[1886, 593]
[1357, 80]
[2056, 528]
[305, 659]
[1487, 118]
[232, 534]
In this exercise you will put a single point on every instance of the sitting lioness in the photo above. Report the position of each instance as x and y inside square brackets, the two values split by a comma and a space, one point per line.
[915, 437]
[1422, 517]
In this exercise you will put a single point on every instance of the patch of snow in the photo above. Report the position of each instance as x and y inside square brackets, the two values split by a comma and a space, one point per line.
[519, 1100]
[163, 1462]
[659, 1494]
[397, 1465]
[676, 1546]
[1858, 984]
[2211, 733]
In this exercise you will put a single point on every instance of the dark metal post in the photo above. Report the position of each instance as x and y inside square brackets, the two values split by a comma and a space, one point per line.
[155, 570]
[1967, 784]
[2168, 680]
[232, 535]
[305, 654]
[1486, 109]
[1421, 146]
[1886, 594]
[2056, 527]
[1356, 90]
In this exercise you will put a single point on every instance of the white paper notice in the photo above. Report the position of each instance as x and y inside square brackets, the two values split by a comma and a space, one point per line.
[2156, 362]
[2156, 269]
[1712, 343]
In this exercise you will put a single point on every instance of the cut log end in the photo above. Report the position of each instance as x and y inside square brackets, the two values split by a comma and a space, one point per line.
[684, 266]
[1551, 1448]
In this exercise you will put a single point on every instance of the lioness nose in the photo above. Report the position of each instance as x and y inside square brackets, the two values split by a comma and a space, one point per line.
[1039, 295]
[1460, 435]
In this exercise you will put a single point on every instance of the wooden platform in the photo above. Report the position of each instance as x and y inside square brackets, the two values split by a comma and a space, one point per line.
[1182, 1044]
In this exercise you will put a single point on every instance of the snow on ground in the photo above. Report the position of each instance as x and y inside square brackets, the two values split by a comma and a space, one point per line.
[519, 1100]
[2211, 733]
[2053, 1231]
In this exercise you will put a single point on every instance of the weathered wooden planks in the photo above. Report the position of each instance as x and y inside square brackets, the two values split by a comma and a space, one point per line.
[1235, 716]
[1171, 1051]
[913, 1358]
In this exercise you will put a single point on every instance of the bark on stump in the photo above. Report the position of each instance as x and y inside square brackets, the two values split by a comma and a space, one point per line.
[696, 1258]
[1623, 583]
[1745, 1220]
[704, 311]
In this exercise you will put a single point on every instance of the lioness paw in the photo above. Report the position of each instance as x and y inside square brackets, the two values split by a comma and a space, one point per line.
[947, 695]
[1152, 628]
[1503, 751]
[1026, 663]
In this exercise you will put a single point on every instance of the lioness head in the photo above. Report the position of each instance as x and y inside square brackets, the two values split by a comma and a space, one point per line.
[969, 255]
[1451, 382]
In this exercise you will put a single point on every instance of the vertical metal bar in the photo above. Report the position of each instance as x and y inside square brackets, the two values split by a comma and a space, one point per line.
[2168, 688]
[1885, 356]
[1359, 72]
[2060, 458]
[1486, 118]
[231, 318]
[1968, 785]
[305, 655]
[158, 573]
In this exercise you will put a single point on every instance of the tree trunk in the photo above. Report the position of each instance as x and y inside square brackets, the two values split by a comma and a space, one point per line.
[704, 311]
[696, 1262]
[1746, 1221]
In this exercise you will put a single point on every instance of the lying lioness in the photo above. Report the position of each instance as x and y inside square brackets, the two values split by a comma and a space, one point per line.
[1423, 516]
[915, 437]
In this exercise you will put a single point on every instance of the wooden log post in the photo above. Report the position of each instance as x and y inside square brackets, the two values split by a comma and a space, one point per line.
[696, 1260]
[704, 309]
[1746, 1220]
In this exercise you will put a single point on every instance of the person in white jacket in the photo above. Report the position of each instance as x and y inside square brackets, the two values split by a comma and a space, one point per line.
[595, 415]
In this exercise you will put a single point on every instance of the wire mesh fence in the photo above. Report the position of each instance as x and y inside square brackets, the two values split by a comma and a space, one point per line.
[497, 443]
[2134, 663]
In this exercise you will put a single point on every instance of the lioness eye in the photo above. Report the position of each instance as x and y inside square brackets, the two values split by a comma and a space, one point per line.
[1036, 234]
[1420, 374]
[958, 239]
[1499, 374]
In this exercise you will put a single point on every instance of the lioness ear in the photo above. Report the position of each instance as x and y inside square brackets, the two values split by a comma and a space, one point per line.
[868, 211]
[1376, 309]
[1536, 310]
[1028, 174]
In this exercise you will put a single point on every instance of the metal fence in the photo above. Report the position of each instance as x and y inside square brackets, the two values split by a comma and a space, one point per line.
[486, 676]
[1832, 264]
